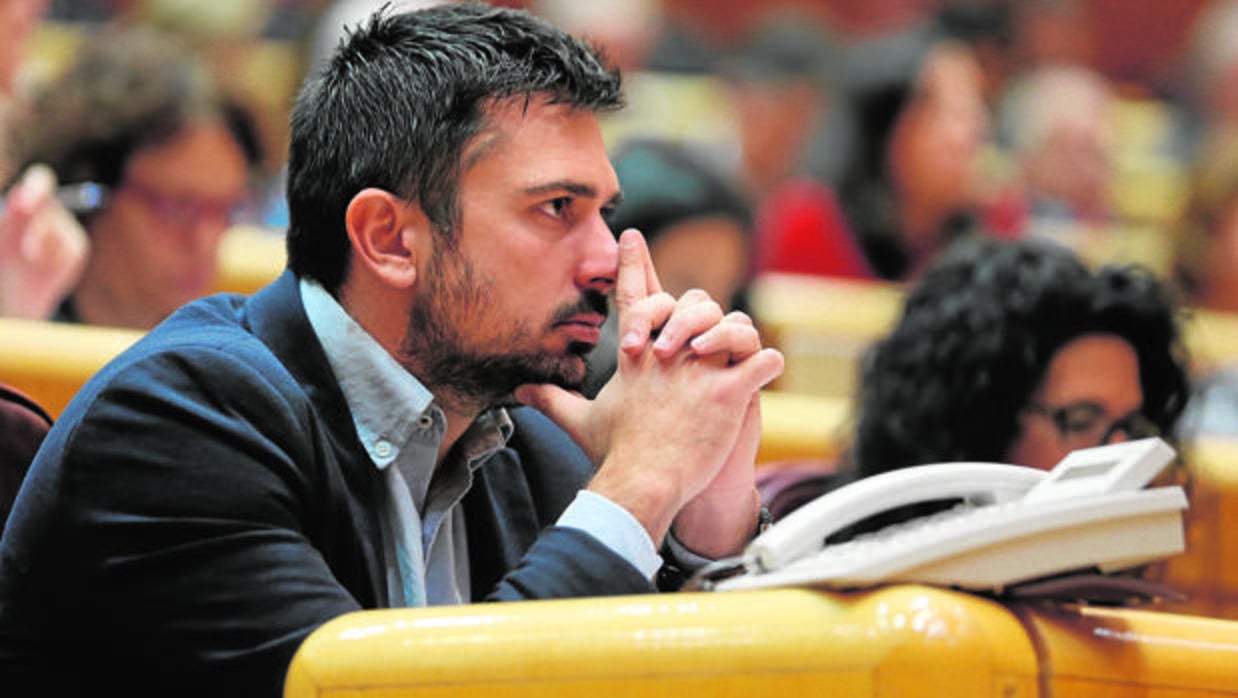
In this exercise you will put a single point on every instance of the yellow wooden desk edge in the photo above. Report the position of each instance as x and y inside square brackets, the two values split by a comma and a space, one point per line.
[250, 257]
[1094, 651]
[50, 361]
[906, 641]
[903, 640]
[795, 426]
[859, 309]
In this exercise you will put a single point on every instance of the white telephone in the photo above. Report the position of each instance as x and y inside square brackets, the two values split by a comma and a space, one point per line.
[1015, 524]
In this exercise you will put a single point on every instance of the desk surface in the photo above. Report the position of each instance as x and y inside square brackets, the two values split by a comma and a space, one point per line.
[900, 641]
[250, 257]
[50, 361]
[905, 640]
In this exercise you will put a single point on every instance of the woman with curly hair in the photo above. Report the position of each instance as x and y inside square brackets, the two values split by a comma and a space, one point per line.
[1016, 352]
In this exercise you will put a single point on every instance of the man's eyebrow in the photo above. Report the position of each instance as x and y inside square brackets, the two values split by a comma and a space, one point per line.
[574, 188]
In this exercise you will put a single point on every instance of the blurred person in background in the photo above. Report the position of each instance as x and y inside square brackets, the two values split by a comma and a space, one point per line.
[1204, 257]
[1058, 123]
[1014, 352]
[913, 185]
[42, 248]
[254, 50]
[140, 117]
[796, 132]
[1210, 97]
[1204, 238]
[695, 221]
[696, 36]
[1017, 352]
[625, 29]
[793, 118]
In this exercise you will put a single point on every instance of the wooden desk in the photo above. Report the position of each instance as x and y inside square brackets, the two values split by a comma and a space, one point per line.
[1090, 652]
[1208, 570]
[822, 326]
[905, 640]
[798, 426]
[249, 258]
[900, 641]
[50, 361]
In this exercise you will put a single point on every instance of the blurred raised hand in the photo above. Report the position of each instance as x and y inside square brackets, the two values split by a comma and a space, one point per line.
[43, 248]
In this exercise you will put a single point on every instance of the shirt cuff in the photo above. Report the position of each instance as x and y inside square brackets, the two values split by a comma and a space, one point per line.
[615, 527]
[684, 558]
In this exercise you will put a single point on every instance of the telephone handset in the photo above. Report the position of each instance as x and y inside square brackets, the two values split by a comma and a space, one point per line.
[804, 530]
[1015, 524]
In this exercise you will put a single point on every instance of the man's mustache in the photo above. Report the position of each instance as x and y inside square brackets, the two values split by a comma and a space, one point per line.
[590, 302]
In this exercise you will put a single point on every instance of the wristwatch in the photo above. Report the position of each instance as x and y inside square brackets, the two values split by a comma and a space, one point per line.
[764, 521]
[671, 577]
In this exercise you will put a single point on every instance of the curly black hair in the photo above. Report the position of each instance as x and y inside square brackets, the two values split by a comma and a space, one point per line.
[975, 339]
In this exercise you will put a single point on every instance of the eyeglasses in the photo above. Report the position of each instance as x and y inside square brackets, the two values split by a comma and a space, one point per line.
[183, 212]
[1085, 424]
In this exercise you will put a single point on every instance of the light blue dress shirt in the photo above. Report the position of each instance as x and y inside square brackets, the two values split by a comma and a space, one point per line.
[399, 425]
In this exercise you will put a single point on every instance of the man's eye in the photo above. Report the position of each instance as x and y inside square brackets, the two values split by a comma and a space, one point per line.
[558, 206]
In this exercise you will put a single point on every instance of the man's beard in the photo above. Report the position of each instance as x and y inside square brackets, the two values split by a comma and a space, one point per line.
[473, 378]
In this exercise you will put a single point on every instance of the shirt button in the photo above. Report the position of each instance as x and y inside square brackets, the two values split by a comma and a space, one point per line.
[382, 448]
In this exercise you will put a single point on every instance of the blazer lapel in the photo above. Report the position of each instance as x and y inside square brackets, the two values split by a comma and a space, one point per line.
[502, 520]
[275, 315]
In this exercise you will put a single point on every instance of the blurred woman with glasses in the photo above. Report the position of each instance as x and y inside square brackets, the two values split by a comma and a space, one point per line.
[1016, 352]
[139, 120]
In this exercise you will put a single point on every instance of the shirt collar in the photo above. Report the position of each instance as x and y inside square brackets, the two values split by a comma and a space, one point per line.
[487, 434]
[386, 401]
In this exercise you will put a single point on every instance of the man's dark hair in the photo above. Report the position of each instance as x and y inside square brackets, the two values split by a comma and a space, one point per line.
[402, 97]
[976, 337]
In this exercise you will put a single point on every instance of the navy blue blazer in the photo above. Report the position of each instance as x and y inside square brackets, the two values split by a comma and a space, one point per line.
[204, 503]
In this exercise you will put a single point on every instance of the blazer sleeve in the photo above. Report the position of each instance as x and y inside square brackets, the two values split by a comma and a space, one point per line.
[517, 551]
[187, 511]
[23, 426]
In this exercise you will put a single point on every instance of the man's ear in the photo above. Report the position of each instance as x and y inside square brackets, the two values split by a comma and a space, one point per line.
[384, 229]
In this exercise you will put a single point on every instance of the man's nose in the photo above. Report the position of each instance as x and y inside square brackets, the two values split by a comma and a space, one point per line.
[600, 264]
